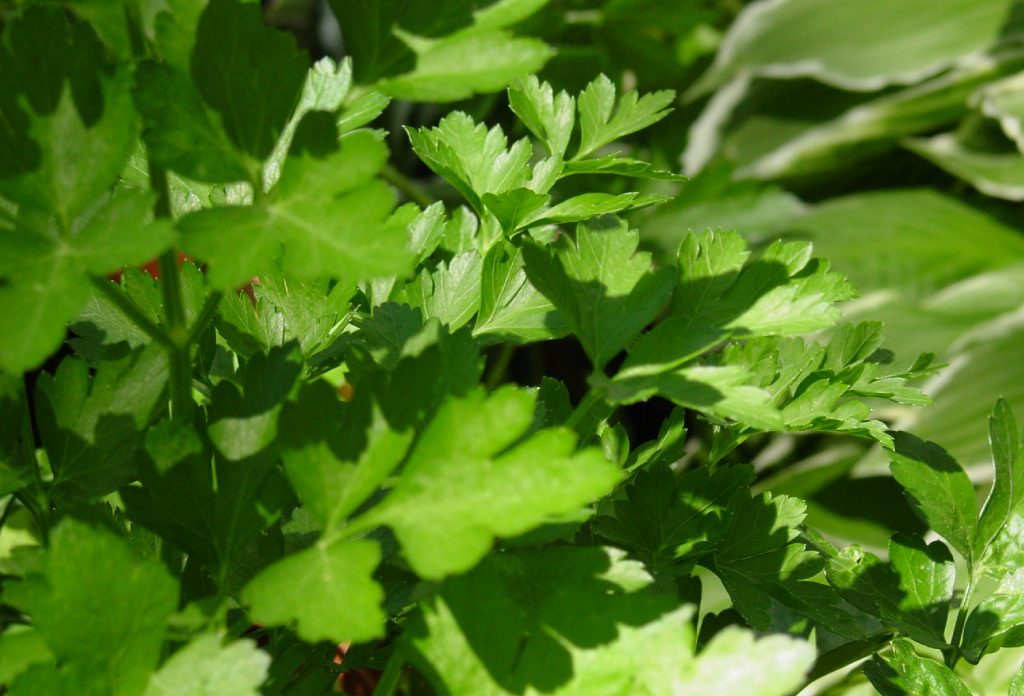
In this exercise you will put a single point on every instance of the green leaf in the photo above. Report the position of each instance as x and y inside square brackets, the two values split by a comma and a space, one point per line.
[591, 205]
[665, 518]
[116, 644]
[326, 591]
[463, 485]
[585, 621]
[598, 125]
[871, 585]
[600, 284]
[214, 520]
[738, 661]
[327, 224]
[997, 174]
[205, 667]
[336, 454]
[511, 308]
[837, 42]
[514, 207]
[466, 63]
[232, 75]
[1008, 486]
[89, 424]
[1017, 685]
[927, 576]
[938, 490]
[47, 274]
[21, 649]
[472, 158]
[62, 106]
[548, 116]
[905, 672]
[763, 564]
[719, 293]
[451, 292]
[719, 391]
[998, 620]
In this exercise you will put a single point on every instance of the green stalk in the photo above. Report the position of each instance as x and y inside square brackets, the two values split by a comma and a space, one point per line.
[37, 503]
[407, 186]
[392, 674]
[499, 368]
[591, 411]
[178, 351]
[954, 655]
[204, 317]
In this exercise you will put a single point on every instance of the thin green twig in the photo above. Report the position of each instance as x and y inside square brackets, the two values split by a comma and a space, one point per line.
[413, 191]
[392, 674]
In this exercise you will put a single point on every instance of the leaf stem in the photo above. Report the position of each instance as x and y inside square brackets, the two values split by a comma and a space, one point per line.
[499, 368]
[413, 191]
[583, 418]
[953, 656]
[131, 310]
[37, 506]
[392, 674]
[178, 348]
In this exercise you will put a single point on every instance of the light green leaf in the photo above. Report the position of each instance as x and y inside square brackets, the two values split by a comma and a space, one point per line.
[945, 240]
[591, 205]
[938, 489]
[600, 284]
[1008, 486]
[205, 667]
[116, 644]
[462, 486]
[326, 591]
[736, 661]
[472, 158]
[21, 648]
[514, 207]
[451, 292]
[599, 126]
[998, 620]
[1003, 100]
[905, 672]
[1017, 685]
[997, 174]
[469, 62]
[839, 42]
[548, 116]
[511, 308]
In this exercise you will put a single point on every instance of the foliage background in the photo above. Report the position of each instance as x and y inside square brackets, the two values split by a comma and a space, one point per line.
[889, 134]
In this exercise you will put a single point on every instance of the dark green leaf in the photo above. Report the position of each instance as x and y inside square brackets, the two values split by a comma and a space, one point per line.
[234, 61]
